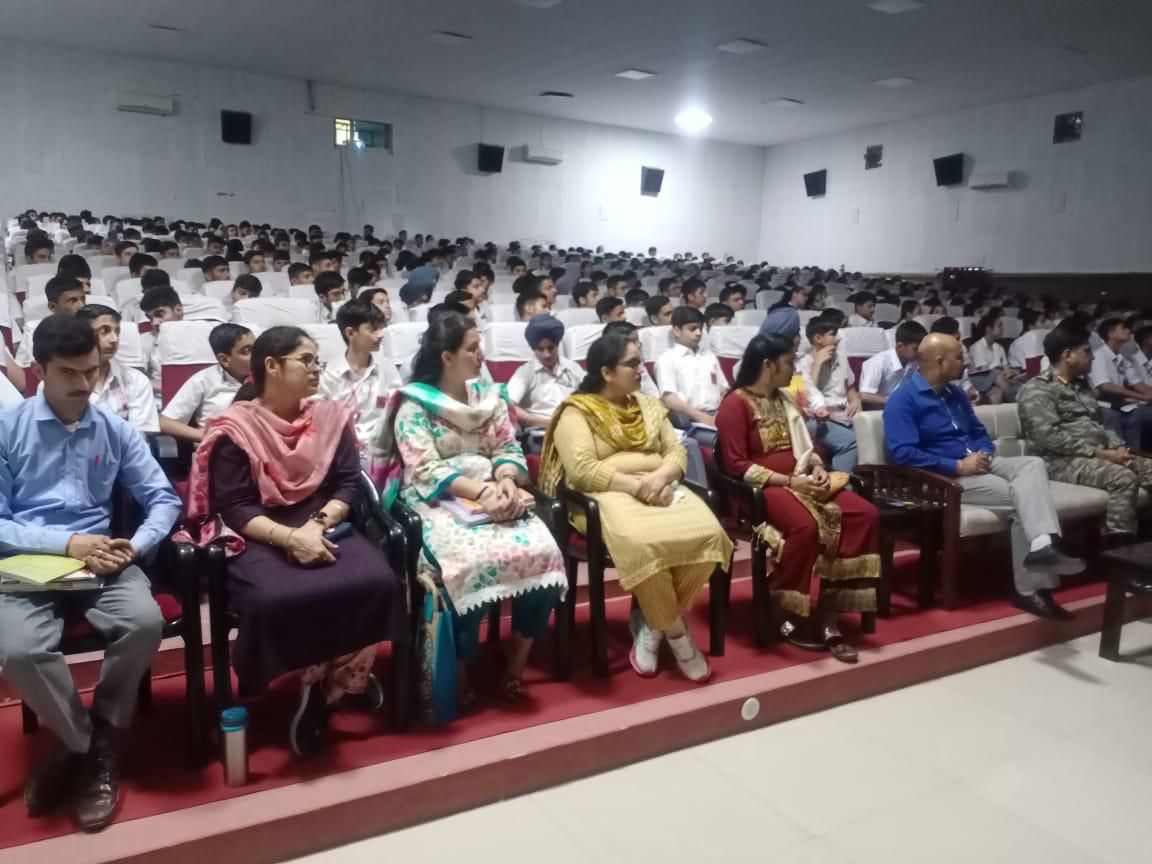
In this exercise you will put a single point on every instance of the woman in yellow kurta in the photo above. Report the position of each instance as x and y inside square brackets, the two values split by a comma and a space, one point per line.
[615, 444]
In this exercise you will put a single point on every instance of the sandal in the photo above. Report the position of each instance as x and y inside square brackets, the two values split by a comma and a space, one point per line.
[465, 697]
[513, 689]
[791, 634]
[838, 648]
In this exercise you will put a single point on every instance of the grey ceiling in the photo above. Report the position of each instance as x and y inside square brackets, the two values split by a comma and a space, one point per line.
[824, 52]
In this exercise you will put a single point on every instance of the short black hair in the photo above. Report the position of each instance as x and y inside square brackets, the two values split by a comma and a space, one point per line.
[38, 241]
[463, 279]
[908, 306]
[211, 262]
[605, 305]
[224, 337]
[154, 279]
[57, 285]
[248, 282]
[252, 253]
[524, 298]
[461, 297]
[716, 311]
[653, 305]
[140, 259]
[97, 310]
[369, 294]
[158, 298]
[1107, 326]
[613, 281]
[861, 297]
[732, 288]
[582, 290]
[75, 266]
[682, 316]
[636, 296]
[947, 325]
[62, 336]
[357, 312]
[1064, 337]
[693, 284]
[359, 276]
[910, 333]
[294, 270]
[820, 325]
[321, 255]
[514, 261]
[328, 280]
[664, 284]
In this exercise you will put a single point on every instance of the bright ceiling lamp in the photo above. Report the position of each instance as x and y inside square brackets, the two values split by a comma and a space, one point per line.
[693, 120]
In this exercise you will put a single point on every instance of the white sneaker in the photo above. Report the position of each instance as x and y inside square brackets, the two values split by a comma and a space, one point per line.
[645, 653]
[693, 665]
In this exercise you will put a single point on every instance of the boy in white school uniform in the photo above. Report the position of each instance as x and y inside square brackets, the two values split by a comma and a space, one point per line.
[360, 379]
[119, 389]
[882, 373]
[689, 376]
[865, 303]
[831, 389]
[210, 391]
[538, 387]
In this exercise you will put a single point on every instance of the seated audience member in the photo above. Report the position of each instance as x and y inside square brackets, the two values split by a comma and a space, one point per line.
[464, 303]
[330, 290]
[864, 303]
[1120, 386]
[215, 269]
[659, 310]
[537, 388]
[210, 391]
[830, 388]
[616, 445]
[529, 304]
[734, 295]
[447, 434]
[695, 294]
[909, 311]
[155, 278]
[1018, 353]
[690, 378]
[825, 539]
[66, 296]
[516, 266]
[929, 423]
[669, 287]
[358, 279]
[118, 388]
[162, 304]
[415, 298]
[38, 249]
[300, 274]
[546, 286]
[635, 297]
[884, 372]
[585, 295]
[817, 299]
[609, 309]
[949, 326]
[1060, 420]
[54, 503]
[357, 379]
[246, 287]
[282, 470]
[140, 263]
[718, 315]
[990, 373]
[281, 258]
[1142, 359]
[379, 298]
[322, 261]
[616, 286]
[77, 267]
[254, 262]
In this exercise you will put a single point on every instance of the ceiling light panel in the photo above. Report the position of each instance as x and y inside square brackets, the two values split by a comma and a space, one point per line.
[895, 7]
[741, 46]
[895, 83]
[635, 74]
[693, 120]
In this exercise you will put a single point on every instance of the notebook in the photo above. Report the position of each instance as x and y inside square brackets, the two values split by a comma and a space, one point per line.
[469, 512]
[80, 580]
[38, 569]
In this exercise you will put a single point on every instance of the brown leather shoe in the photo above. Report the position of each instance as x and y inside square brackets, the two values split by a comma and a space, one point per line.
[52, 783]
[97, 795]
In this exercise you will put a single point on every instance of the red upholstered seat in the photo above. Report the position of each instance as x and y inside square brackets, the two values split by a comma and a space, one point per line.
[533, 460]
[728, 364]
[503, 370]
[856, 364]
[1032, 366]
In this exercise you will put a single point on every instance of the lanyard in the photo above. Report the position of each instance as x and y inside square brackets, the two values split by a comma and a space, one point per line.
[955, 425]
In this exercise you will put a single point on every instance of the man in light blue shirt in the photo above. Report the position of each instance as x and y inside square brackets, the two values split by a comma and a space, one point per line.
[60, 459]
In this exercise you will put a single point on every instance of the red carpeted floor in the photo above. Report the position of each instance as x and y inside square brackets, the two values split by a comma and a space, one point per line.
[157, 779]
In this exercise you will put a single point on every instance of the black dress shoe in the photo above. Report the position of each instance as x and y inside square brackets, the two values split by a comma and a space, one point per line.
[97, 795]
[1041, 605]
[53, 782]
[1052, 561]
[1137, 585]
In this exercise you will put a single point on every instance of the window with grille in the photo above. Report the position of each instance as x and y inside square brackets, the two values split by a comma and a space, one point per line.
[363, 134]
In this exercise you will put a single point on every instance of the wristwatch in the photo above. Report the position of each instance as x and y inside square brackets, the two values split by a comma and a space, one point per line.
[319, 516]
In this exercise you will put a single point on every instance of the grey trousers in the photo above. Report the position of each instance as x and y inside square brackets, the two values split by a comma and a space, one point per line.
[30, 629]
[1016, 489]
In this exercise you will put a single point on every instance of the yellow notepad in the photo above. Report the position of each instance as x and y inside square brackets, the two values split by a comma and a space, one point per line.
[39, 569]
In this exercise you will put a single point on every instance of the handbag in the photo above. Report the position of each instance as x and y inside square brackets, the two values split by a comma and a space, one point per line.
[437, 652]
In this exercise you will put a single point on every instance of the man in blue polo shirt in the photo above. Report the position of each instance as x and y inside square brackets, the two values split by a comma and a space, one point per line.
[929, 423]
[60, 459]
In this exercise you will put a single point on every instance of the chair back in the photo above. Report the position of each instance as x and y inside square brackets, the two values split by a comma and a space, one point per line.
[750, 317]
[265, 312]
[654, 341]
[579, 338]
[184, 350]
[330, 344]
[862, 341]
[573, 317]
[731, 341]
[275, 284]
[870, 446]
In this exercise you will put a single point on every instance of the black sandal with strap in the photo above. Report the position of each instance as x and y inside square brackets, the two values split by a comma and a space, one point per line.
[791, 634]
[838, 648]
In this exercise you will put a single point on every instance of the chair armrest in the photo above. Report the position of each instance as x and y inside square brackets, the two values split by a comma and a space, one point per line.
[573, 500]
[914, 484]
[710, 498]
[412, 525]
[740, 491]
[551, 510]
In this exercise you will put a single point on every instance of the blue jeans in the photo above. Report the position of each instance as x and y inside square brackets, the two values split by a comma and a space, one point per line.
[1132, 426]
[837, 439]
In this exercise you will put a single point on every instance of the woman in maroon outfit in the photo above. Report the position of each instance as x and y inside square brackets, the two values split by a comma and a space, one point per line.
[815, 527]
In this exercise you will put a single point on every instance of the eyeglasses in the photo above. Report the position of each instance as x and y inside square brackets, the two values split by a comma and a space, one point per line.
[634, 363]
[308, 361]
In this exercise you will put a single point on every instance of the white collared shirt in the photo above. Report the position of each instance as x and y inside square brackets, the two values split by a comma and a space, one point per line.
[127, 393]
[366, 395]
[983, 356]
[883, 373]
[206, 394]
[1108, 367]
[831, 391]
[24, 349]
[855, 320]
[540, 391]
[694, 376]
[1142, 365]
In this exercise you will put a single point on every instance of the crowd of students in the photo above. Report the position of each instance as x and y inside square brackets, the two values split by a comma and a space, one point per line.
[281, 440]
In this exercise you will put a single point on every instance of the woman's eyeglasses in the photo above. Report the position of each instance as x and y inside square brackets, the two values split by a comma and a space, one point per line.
[634, 363]
[308, 361]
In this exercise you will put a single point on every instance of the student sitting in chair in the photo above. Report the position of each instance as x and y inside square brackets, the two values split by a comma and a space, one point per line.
[659, 309]
[718, 315]
[379, 298]
[141, 263]
[609, 309]
[865, 305]
[210, 391]
[38, 248]
[246, 287]
[830, 388]
[695, 294]
[734, 295]
[883, 373]
[585, 295]
[330, 290]
[119, 389]
[215, 269]
[690, 378]
[254, 262]
[529, 304]
[300, 274]
[56, 503]
[538, 387]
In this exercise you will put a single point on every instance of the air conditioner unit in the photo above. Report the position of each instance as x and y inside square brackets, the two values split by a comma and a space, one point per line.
[990, 180]
[141, 103]
[543, 155]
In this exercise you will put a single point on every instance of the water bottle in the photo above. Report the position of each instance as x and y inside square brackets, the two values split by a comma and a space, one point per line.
[234, 738]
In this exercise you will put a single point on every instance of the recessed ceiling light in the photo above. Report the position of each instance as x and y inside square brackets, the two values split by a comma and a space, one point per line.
[635, 74]
[167, 27]
[785, 103]
[558, 94]
[895, 83]
[540, 4]
[895, 7]
[693, 120]
[740, 46]
[446, 37]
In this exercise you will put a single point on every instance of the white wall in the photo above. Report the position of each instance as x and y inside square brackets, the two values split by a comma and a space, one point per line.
[64, 146]
[1078, 207]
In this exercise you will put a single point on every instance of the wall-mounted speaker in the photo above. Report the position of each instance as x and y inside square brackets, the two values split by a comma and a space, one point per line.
[949, 170]
[1068, 127]
[816, 183]
[651, 179]
[235, 127]
[489, 158]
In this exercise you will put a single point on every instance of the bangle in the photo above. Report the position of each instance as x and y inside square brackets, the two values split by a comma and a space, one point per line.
[288, 542]
[788, 483]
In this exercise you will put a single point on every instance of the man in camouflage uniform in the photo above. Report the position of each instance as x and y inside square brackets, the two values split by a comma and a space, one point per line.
[1060, 420]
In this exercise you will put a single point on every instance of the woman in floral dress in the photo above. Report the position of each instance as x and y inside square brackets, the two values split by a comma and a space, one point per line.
[446, 435]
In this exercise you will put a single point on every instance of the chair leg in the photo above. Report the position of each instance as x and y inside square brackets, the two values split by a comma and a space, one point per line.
[31, 721]
[564, 625]
[868, 622]
[884, 588]
[494, 622]
[719, 594]
[144, 692]
[403, 683]
[599, 616]
[760, 594]
[219, 626]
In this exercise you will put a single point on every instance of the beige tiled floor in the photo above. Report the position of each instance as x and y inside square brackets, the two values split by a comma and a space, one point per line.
[1041, 758]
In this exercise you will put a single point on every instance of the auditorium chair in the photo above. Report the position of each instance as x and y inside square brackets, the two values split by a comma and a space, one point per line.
[380, 527]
